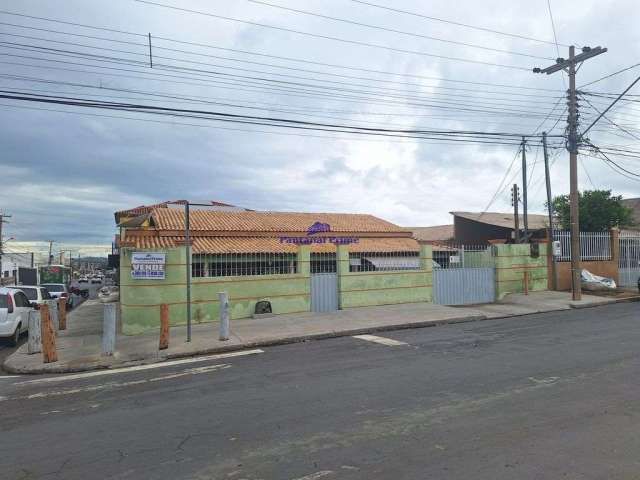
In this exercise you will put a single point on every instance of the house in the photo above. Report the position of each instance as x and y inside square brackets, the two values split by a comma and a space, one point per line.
[298, 262]
[478, 228]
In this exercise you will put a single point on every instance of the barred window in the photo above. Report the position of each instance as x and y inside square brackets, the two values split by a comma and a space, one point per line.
[383, 261]
[244, 264]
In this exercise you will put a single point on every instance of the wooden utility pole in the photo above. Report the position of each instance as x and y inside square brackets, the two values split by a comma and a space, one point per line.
[525, 216]
[62, 313]
[164, 326]
[569, 66]
[514, 201]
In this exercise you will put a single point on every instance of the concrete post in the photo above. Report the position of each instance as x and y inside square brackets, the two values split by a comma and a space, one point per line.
[164, 326]
[53, 314]
[342, 267]
[34, 344]
[223, 300]
[109, 329]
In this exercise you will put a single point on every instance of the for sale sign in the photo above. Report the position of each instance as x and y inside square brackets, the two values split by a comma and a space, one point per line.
[147, 266]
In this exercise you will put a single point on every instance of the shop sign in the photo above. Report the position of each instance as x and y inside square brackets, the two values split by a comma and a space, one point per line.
[147, 266]
[315, 228]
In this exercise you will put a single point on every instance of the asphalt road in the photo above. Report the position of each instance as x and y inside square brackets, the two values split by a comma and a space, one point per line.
[548, 396]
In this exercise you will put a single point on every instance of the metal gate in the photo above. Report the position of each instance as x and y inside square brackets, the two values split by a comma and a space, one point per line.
[629, 263]
[463, 275]
[324, 282]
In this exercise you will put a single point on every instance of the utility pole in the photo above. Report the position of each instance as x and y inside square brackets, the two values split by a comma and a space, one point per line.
[50, 253]
[515, 198]
[547, 177]
[569, 66]
[525, 214]
[2, 221]
[187, 251]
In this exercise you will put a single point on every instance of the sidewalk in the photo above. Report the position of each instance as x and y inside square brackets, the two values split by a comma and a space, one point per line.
[79, 347]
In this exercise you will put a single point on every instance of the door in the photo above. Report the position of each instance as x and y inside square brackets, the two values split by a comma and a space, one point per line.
[22, 309]
[324, 292]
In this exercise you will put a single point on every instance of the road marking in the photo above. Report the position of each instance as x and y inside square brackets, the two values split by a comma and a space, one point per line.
[103, 386]
[314, 476]
[4, 377]
[381, 340]
[138, 368]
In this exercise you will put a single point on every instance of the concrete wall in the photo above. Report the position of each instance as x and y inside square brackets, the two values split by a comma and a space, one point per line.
[358, 289]
[141, 299]
[512, 261]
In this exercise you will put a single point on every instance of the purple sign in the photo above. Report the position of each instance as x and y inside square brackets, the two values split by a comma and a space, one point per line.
[319, 227]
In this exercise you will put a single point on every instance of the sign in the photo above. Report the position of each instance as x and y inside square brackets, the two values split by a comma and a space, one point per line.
[147, 266]
[557, 248]
[315, 228]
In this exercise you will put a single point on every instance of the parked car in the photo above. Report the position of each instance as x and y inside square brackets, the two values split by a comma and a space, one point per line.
[57, 290]
[83, 279]
[14, 314]
[36, 294]
[109, 294]
[96, 279]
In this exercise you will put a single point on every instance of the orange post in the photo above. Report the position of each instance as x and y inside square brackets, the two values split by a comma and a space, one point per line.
[62, 313]
[164, 326]
[48, 335]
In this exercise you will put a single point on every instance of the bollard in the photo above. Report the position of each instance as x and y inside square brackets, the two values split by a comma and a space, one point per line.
[109, 329]
[164, 326]
[53, 314]
[48, 334]
[223, 300]
[62, 313]
[34, 344]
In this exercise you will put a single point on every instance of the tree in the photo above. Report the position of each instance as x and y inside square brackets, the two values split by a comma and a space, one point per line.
[599, 211]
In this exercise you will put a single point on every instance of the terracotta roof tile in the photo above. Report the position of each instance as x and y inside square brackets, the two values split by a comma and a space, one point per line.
[432, 234]
[205, 220]
[266, 244]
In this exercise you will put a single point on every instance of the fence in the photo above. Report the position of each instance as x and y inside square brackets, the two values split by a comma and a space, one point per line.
[629, 261]
[594, 246]
[383, 261]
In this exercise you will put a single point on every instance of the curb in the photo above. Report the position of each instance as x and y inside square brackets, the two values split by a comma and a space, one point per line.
[42, 370]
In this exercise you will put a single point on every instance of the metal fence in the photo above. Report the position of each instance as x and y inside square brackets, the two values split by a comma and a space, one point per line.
[243, 264]
[383, 261]
[629, 260]
[455, 255]
[593, 245]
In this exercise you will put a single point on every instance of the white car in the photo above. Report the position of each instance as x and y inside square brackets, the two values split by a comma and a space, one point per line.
[14, 314]
[57, 290]
[36, 294]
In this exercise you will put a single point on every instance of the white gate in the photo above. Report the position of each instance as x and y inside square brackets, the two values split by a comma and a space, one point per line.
[629, 263]
[463, 275]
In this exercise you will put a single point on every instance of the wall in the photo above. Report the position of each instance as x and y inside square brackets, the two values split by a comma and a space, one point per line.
[603, 268]
[141, 299]
[359, 289]
[512, 261]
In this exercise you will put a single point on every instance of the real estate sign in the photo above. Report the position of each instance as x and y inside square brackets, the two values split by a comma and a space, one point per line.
[147, 266]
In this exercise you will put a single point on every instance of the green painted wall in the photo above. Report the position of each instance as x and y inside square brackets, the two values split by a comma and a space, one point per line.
[141, 299]
[511, 262]
[358, 289]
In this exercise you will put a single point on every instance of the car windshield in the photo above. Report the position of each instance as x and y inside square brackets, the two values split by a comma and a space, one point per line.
[3, 301]
[54, 287]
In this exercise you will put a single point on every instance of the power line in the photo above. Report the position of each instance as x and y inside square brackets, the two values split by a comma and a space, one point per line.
[451, 22]
[329, 37]
[610, 75]
[393, 30]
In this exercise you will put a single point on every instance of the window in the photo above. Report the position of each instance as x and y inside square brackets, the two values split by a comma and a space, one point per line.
[45, 294]
[197, 269]
[21, 299]
[3, 301]
[384, 261]
[242, 264]
[31, 293]
[54, 287]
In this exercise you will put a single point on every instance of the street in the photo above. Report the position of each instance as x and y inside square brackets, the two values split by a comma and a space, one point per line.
[542, 396]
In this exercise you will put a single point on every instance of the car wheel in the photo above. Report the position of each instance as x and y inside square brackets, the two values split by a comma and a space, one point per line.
[15, 338]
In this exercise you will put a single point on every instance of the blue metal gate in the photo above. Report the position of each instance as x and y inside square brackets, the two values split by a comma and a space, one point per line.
[324, 292]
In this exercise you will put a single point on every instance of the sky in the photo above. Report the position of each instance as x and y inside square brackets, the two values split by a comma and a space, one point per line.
[67, 169]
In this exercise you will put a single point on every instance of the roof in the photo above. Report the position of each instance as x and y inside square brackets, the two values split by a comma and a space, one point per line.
[432, 234]
[147, 209]
[505, 220]
[271, 222]
[217, 245]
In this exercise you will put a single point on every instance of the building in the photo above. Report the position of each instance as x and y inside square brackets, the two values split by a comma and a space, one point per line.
[478, 228]
[298, 262]
[12, 262]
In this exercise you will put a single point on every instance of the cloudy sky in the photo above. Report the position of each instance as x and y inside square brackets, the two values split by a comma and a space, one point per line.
[67, 169]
